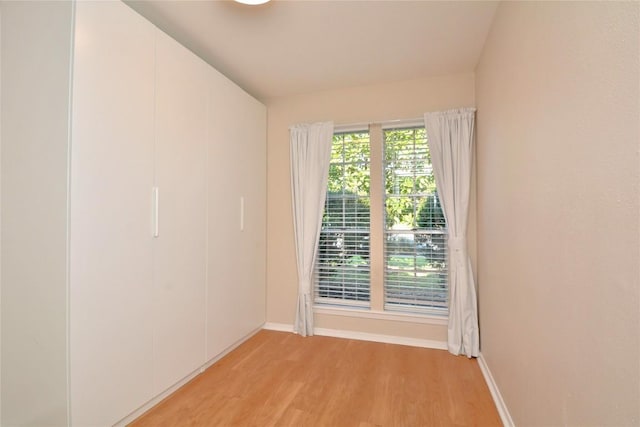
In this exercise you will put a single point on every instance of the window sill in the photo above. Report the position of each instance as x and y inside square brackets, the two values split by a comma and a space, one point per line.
[382, 315]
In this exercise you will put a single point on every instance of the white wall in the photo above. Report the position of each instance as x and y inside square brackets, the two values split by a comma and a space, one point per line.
[46, 348]
[400, 100]
[557, 92]
[35, 96]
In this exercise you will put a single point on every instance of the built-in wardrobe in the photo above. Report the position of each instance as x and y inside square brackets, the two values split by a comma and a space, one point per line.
[133, 213]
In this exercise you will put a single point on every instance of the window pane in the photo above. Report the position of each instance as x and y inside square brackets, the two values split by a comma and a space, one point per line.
[415, 229]
[342, 272]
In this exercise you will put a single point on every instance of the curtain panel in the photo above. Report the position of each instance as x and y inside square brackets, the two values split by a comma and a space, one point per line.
[451, 136]
[310, 157]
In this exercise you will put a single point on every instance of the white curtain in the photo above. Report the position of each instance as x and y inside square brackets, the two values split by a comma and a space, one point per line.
[450, 135]
[310, 157]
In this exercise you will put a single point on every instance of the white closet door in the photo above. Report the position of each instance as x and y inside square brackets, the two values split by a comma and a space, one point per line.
[237, 215]
[181, 244]
[110, 244]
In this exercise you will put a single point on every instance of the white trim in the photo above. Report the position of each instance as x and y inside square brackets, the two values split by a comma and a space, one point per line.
[388, 339]
[382, 315]
[507, 421]
[67, 237]
[153, 402]
[384, 124]
[364, 336]
[67, 323]
[353, 127]
[281, 327]
[402, 123]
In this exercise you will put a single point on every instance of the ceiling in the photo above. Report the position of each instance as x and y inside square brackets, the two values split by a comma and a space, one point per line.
[284, 48]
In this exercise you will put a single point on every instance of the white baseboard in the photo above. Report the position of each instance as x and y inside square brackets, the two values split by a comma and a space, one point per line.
[364, 336]
[388, 339]
[507, 421]
[159, 398]
[281, 327]
[414, 342]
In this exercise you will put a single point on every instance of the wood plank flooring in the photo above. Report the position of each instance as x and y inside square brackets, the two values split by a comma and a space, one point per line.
[282, 379]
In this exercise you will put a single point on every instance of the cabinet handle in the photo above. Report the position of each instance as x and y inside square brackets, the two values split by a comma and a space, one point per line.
[156, 214]
[241, 213]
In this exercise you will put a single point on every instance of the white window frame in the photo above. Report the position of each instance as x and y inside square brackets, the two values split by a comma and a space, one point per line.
[351, 287]
[412, 304]
[376, 307]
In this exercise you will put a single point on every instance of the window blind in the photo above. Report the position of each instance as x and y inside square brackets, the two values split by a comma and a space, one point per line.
[415, 253]
[342, 267]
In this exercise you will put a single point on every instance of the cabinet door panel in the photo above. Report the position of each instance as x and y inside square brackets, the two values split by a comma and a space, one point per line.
[237, 164]
[110, 243]
[180, 248]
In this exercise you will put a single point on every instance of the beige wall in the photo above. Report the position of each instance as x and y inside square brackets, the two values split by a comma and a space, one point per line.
[557, 91]
[402, 100]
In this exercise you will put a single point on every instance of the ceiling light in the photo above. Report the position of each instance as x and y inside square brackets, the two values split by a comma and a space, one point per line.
[251, 2]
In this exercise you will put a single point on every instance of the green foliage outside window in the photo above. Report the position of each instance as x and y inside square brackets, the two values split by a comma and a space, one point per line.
[411, 204]
[408, 180]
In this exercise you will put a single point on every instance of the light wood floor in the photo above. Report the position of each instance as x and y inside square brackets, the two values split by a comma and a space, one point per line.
[282, 379]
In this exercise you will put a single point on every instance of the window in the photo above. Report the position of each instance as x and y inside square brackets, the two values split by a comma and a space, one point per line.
[383, 243]
[415, 256]
[343, 270]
